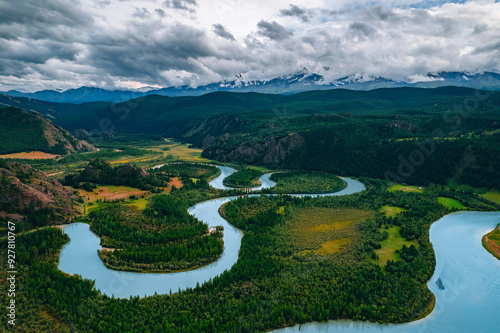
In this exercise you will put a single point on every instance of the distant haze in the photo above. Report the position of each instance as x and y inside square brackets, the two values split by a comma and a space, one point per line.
[152, 44]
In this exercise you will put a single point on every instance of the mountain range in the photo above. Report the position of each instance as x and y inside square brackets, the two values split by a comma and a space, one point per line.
[287, 84]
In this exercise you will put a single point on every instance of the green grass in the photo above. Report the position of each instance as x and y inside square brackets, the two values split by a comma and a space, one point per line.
[389, 246]
[391, 211]
[405, 188]
[179, 151]
[451, 204]
[141, 204]
[492, 195]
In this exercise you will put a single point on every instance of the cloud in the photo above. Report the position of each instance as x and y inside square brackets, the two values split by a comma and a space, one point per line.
[273, 30]
[295, 11]
[222, 32]
[361, 29]
[181, 4]
[142, 13]
[60, 44]
[160, 12]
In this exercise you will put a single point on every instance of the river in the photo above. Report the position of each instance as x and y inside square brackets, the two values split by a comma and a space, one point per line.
[469, 274]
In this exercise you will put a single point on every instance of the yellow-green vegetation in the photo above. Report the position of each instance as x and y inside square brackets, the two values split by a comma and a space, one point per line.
[389, 246]
[178, 151]
[110, 193]
[126, 159]
[391, 211]
[141, 204]
[491, 242]
[306, 182]
[451, 204]
[333, 246]
[30, 155]
[492, 195]
[405, 188]
[326, 231]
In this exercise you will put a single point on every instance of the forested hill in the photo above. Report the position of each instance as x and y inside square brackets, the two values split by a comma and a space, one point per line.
[176, 116]
[21, 131]
[403, 134]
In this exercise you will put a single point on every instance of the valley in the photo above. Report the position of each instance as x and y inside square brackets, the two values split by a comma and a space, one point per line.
[335, 228]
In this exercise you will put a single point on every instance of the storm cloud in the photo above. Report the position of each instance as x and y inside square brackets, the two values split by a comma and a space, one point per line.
[62, 44]
[295, 11]
[222, 32]
[273, 30]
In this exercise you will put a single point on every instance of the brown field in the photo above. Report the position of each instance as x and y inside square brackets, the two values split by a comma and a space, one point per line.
[111, 193]
[32, 155]
[325, 231]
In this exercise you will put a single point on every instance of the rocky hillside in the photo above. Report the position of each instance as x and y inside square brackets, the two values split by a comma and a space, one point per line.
[270, 151]
[21, 130]
[30, 195]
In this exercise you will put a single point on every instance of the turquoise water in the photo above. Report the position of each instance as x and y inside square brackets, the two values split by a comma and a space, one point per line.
[469, 302]
[79, 256]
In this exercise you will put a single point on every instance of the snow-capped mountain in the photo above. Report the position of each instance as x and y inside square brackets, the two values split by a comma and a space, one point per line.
[287, 84]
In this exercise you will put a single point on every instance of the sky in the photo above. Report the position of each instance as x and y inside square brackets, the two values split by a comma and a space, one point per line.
[132, 44]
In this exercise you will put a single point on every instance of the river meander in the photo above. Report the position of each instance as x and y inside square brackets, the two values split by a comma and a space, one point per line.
[470, 275]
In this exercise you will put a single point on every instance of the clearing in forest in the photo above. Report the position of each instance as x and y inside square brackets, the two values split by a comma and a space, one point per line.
[326, 231]
[405, 188]
[389, 246]
[451, 204]
[391, 211]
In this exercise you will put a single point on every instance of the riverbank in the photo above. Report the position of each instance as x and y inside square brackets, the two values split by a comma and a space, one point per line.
[491, 242]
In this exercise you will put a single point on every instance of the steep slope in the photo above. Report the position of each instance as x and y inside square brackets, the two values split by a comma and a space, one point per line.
[28, 194]
[21, 130]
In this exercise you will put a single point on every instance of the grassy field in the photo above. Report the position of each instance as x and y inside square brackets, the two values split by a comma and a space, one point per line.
[325, 231]
[178, 151]
[32, 155]
[127, 159]
[111, 193]
[451, 204]
[492, 195]
[491, 242]
[405, 188]
[391, 211]
[141, 203]
[390, 245]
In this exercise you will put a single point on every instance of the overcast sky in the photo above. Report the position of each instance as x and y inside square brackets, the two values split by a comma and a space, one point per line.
[128, 44]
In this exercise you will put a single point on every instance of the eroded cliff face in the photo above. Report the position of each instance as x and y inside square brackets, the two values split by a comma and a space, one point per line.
[213, 127]
[270, 151]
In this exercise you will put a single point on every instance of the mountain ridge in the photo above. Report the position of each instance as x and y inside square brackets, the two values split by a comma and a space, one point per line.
[286, 84]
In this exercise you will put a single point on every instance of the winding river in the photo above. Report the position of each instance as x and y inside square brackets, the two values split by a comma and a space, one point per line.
[470, 275]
